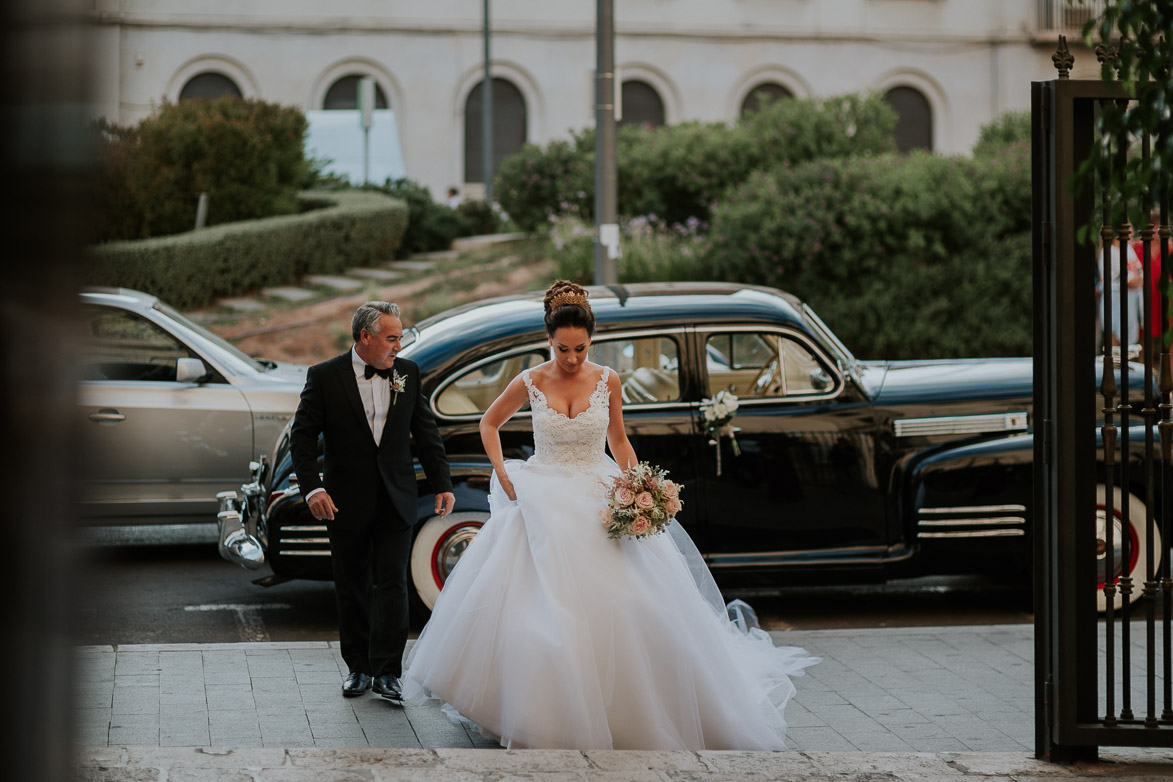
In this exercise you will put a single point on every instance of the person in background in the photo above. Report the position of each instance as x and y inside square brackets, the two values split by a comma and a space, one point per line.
[454, 198]
[1159, 324]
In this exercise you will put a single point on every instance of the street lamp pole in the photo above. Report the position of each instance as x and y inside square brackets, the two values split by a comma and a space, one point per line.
[606, 223]
[487, 117]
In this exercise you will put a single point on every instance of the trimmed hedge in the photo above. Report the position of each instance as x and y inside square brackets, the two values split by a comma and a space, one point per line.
[904, 256]
[246, 155]
[677, 172]
[353, 228]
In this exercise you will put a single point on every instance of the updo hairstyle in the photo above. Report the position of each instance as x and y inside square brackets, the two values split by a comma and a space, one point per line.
[567, 306]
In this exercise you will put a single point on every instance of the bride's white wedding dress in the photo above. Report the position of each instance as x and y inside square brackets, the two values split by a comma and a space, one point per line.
[548, 634]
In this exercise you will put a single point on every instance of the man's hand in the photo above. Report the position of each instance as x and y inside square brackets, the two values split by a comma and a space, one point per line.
[445, 503]
[322, 507]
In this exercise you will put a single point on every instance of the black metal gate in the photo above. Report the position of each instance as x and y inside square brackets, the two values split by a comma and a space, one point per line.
[1103, 429]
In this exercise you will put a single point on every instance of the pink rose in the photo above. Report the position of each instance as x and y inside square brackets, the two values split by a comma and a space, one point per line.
[671, 490]
[645, 501]
[624, 496]
[640, 525]
[605, 517]
[672, 506]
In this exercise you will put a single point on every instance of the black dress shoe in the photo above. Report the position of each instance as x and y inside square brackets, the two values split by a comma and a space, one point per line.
[356, 684]
[390, 688]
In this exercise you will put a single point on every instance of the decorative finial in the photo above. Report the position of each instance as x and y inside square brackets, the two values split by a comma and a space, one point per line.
[1106, 53]
[1063, 59]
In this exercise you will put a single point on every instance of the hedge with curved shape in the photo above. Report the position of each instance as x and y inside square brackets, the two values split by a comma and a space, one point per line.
[342, 230]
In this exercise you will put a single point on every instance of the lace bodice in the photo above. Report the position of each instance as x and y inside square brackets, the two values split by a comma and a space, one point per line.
[572, 443]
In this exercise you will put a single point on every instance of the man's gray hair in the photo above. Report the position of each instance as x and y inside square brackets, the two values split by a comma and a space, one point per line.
[367, 317]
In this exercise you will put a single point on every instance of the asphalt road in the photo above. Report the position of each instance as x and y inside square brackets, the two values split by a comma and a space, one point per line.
[168, 585]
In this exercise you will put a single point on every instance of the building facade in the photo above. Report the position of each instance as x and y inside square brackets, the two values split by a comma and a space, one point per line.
[948, 66]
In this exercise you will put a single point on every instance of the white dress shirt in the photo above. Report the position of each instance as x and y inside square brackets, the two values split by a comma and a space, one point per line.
[376, 399]
[375, 393]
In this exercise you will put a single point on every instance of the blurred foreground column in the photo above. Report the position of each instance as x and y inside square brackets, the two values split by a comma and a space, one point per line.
[45, 165]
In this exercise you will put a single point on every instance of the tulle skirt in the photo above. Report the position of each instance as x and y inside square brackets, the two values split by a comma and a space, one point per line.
[548, 634]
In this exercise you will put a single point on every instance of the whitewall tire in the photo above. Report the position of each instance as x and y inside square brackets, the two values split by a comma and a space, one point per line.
[436, 549]
[1138, 544]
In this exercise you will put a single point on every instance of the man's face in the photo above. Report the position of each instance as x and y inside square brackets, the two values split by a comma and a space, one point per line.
[379, 350]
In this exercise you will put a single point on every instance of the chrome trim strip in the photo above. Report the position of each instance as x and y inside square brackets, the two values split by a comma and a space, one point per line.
[306, 527]
[962, 424]
[304, 540]
[992, 520]
[304, 553]
[977, 509]
[983, 533]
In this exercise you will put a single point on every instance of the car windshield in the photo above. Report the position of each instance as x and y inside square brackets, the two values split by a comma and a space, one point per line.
[842, 355]
[234, 353]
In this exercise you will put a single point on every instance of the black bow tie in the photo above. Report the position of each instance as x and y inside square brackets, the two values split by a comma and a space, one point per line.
[368, 371]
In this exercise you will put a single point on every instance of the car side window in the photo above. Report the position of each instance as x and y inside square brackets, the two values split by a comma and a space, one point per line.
[648, 367]
[471, 393]
[763, 365]
[120, 345]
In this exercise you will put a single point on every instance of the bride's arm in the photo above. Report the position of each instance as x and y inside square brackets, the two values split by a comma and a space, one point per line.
[616, 433]
[503, 407]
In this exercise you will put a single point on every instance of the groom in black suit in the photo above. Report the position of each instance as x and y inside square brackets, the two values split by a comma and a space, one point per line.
[365, 403]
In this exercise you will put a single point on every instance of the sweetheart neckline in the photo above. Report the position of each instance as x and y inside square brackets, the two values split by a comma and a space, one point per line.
[590, 399]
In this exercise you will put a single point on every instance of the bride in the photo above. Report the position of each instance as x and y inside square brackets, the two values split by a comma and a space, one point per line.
[548, 634]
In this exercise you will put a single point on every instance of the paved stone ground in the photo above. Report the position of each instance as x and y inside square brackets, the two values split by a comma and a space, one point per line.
[885, 704]
[949, 689]
[122, 764]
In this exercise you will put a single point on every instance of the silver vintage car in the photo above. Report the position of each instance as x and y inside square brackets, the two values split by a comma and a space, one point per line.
[171, 412]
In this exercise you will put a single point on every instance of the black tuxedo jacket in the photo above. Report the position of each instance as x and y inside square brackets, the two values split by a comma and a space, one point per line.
[331, 406]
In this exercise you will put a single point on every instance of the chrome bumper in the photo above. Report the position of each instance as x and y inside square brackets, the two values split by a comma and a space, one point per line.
[238, 522]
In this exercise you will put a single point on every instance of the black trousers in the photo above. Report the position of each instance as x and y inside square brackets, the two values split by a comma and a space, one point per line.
[370, 585]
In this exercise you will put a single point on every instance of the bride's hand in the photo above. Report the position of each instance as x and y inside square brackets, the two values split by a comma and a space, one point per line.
[507, 485]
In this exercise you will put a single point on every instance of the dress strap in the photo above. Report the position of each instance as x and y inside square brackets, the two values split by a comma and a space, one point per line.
[534, 392]
[606, 371]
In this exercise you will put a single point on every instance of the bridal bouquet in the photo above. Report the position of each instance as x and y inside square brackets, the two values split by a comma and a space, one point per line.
[641, 501]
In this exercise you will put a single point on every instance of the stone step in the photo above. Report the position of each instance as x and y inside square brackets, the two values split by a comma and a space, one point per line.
[333, 281]
[465, 243]
[417, 264]
[241, 305]
[288, 293]
[378, 275]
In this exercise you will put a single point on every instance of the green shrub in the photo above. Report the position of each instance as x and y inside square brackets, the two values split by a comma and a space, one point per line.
[1010, 128]
[430, 226]
[479, 217]
[538, 183]
[679, 171]
[904, 256]
[193, 269]
[247, 155]
[652, 251]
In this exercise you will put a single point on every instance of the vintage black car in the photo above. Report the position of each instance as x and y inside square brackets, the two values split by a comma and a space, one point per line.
[843, 470]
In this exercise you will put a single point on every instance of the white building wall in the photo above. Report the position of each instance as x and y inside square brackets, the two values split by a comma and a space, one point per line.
[973, 59]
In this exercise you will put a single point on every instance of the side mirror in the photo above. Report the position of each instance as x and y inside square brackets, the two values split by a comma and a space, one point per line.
[190, 370]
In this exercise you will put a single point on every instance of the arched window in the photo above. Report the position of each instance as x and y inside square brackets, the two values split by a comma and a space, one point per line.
[765, 92]
[914, 128]
[209, 84]
[509, 123]
[343, 94]
[641, 105]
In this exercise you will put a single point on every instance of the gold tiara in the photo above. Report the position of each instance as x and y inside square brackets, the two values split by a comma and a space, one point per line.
[569, 298]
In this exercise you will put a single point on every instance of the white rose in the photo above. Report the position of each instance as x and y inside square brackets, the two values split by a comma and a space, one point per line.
[719, 410]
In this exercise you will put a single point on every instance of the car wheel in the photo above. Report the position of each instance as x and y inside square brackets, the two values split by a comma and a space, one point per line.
[1138, 545]
[437, 547]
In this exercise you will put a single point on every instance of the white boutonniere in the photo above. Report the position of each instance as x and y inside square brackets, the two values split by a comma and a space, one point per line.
[398, 383]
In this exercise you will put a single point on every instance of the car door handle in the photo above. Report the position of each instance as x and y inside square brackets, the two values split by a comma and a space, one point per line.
[107, 416]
